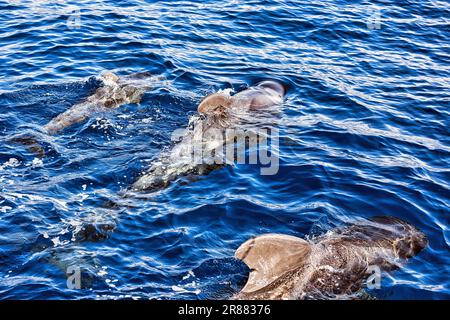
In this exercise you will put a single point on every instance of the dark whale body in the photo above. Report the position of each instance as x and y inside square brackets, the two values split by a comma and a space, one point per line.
[333, 265]
[115, 92]
[216, 110]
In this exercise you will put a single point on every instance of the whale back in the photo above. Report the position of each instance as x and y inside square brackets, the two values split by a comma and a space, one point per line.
[138, 75]
[270, 256]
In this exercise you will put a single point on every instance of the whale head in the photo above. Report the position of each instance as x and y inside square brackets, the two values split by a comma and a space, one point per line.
[274, 86]
[388, 232]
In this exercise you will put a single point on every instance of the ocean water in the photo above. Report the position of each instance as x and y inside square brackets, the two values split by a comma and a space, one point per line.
[364, 131]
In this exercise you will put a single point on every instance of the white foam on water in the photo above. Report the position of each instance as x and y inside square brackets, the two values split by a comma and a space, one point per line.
[4, 209]
[228, 91]
[188, 275]
[11, 163]
[102, 273]
[37, 163]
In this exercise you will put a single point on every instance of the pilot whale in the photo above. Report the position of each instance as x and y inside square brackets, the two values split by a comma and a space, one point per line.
[116, 91]
[332, 265]
[263, 95]
[215, 112]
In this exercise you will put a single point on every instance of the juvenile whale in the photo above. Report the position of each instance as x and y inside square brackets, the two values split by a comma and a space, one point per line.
[116, 91]
[215, 113]
[333, 265]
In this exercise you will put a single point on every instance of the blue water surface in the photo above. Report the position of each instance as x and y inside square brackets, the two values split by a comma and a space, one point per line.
[364, 131]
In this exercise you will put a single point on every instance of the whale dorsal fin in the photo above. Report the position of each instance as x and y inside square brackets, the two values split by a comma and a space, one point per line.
[214, 101]
[270, 256]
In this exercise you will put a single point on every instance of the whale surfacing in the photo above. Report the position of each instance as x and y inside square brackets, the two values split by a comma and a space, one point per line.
[263, 95]
[216, 113]
[116, 91]
[332, 265]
